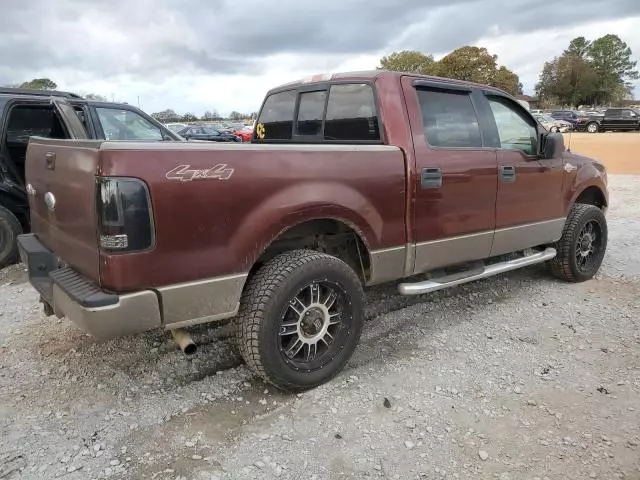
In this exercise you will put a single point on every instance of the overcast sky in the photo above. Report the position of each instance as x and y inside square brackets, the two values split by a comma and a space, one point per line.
[197, 55]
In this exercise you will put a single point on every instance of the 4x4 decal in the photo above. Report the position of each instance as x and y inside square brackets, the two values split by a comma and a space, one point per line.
[185, 173]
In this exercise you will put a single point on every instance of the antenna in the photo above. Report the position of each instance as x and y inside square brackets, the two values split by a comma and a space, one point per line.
[569, 143]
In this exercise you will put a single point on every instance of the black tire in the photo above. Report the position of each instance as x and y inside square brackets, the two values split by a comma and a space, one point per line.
[267, 324]
[554, 129]
[10, 228]
[571, 262]
[592, 127]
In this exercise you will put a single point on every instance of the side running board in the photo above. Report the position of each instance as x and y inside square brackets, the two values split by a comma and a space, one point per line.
[434, 285]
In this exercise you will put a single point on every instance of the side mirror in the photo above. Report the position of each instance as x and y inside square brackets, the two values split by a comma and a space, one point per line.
[552, 145]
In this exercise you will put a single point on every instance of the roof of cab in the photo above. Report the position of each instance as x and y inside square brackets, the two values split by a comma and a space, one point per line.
[36, 93]
[370, 75]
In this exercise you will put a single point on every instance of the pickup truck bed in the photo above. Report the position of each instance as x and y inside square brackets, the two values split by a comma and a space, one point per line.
[350, 180]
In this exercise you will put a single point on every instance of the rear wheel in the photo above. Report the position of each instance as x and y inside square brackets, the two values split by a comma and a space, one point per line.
[10, 228]
[300, 319]
[582, 246]
[593, 127]
[554, 129]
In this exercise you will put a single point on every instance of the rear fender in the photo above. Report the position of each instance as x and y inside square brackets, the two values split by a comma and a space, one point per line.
[313, 201]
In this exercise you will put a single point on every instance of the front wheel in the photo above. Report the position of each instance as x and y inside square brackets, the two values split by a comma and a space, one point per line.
[300, 319]
[554, 129]
[592, 127]
[582, 246]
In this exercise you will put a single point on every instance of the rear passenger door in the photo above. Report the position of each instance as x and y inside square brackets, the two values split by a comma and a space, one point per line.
[456, 182]
[529, 206]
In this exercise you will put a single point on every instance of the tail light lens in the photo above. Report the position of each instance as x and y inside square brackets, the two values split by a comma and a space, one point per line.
[125, 221]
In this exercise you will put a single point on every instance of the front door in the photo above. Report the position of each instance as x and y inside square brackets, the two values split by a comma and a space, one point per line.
[629, 120]
[529, 207]
[455, 185]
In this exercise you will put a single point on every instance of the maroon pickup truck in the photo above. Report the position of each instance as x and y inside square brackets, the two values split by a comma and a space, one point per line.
[350, 180]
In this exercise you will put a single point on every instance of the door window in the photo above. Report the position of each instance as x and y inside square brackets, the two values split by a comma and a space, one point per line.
[515, 130]
[120, 124]
[449, 119]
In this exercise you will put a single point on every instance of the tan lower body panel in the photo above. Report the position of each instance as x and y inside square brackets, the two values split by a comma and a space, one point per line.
[452, 250]
[512, 239]
[134, 313]
[202, 301]
[478, 246]
[388, 264]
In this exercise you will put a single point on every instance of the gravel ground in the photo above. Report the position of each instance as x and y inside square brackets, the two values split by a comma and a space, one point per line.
[517, 377]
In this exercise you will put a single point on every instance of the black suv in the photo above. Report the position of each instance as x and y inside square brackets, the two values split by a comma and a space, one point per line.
[613, 119]
[27, 113]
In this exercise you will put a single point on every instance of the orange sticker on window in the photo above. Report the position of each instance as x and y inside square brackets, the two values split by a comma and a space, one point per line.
[260, 131]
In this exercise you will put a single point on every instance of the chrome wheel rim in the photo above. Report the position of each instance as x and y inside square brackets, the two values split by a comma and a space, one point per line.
[314, 326]
[588, 246]
[592, 128]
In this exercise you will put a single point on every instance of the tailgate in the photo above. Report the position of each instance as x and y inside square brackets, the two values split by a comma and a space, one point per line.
[61, 182]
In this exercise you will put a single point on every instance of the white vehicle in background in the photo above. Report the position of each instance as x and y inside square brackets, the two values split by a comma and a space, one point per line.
[176, 127]
[553, 124]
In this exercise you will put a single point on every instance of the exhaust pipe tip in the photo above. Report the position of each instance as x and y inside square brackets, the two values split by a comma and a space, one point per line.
[190, 349]
[184, 341]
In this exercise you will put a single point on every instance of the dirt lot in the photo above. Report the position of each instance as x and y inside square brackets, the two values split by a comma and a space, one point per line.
[620, 152]
[520, 377]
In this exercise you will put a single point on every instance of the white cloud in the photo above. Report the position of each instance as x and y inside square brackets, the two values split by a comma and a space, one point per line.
[194, 56]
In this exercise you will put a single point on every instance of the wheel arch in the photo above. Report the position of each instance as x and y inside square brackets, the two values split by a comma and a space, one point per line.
[592, 195]
[333, 235]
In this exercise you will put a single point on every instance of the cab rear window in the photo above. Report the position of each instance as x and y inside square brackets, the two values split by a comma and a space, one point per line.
[336, 113]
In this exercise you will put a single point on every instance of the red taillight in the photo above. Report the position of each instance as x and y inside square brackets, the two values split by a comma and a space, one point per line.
[124, 215]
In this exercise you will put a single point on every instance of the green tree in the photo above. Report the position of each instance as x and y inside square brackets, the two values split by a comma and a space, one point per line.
[409, 61]
[473, 64]
[598, 72]
[508, 81]
[166, 116]
[611, 60]
[40, 84]
[476, 64]
[237, 115]
[95, 96]
[189, 117]
[578, 47]
[568, 80]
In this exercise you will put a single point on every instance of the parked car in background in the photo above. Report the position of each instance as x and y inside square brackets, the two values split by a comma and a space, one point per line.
[199, 132]
[176, 127]
[245, 133]
[27, 113]
[570, 116]
[552, 124]
[616, 119]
